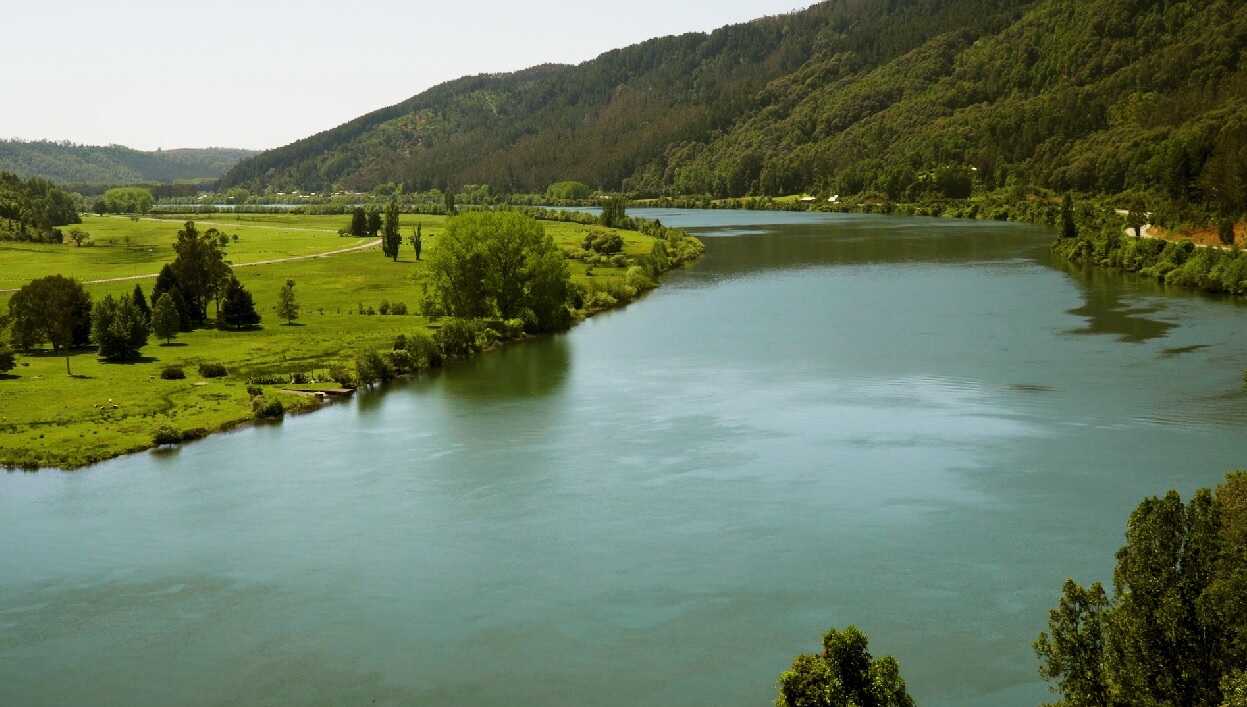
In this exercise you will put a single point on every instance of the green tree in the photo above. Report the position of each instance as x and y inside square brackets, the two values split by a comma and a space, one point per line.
[8, 359]
[287, 307]
[140, 301]
[128, 200]
[359, 222]
[200, 269]
[614, 211]
[374, 223]
[1136, 217]
[843, 675]
[392, 239]
[1176, 626]
[1225, 231]
[79, 237]
[118, 328]
[166, 321]
[238, 308]
[568, 191]
[500, 264]
[1068, 228]
[53, 309]
[449, 197]
[417, 241]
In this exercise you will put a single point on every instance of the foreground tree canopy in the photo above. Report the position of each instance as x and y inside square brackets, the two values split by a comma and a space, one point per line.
[844, 674]
[500, 265]
[1174, 631]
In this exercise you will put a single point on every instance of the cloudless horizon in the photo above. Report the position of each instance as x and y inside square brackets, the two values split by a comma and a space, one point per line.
[263, 74]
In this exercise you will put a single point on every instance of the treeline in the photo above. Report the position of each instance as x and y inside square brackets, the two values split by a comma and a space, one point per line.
[32, 209]
[69, 163]
[912, 99]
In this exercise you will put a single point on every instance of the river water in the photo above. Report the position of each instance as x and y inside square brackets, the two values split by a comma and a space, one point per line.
[918, 426]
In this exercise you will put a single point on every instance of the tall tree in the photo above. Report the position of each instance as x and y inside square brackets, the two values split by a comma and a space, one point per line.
[374, 222]
[140, 301]
[118, 328]
[166, 322]
[287, 307]
[359, 222]
[53, 309]
[8, 360]
[417, 241]
[200, 267]
[392, 239]
[449, 197]
[1069, 229]
[238, 308]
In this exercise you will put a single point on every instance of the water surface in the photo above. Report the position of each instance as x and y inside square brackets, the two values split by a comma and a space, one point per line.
[918, 426]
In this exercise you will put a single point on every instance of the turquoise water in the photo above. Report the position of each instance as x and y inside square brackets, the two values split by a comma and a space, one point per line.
[915, 425]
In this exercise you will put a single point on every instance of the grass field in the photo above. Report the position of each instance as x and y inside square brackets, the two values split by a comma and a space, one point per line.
[48, 418]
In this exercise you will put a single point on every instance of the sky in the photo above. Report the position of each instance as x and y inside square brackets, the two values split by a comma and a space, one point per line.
[264, 73]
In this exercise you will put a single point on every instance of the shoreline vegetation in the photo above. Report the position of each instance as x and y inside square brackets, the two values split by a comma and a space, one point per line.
[287, 336]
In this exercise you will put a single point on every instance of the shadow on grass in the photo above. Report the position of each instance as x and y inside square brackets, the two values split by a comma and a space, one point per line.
[173, 345]
[130, 361]
[293, 324]
[81, 377]
[8, 377]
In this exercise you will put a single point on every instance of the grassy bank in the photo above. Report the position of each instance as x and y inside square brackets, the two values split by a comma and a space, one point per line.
[48, 418]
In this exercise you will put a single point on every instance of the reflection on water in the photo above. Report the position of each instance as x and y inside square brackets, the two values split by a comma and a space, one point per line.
[1108, 309]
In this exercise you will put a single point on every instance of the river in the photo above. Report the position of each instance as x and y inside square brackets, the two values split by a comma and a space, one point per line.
[918, 426]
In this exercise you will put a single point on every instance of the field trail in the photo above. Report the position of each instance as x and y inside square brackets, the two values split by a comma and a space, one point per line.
[272, 261]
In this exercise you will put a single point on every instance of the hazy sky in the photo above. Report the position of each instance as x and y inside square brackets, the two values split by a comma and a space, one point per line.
[263, 73]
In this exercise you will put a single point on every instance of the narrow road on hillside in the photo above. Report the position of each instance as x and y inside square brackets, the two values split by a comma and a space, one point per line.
[274, 261]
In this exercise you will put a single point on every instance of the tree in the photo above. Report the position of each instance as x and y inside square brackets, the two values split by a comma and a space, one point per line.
[79, 237]
[1068, 228]
[1176, 626]
[614, 212]
[449, 197]
[393, 239]
[500, 264]
[843, 675]
[118, 328]
[1137, 217]
[374, 223]
[8, 360]
[166, 322]
[200, 269]
[1225, 231]
[359, 222]
[417, 241]
[140, 301]
[287, 307]
[128, 200]
[53, 309]
[237, 308]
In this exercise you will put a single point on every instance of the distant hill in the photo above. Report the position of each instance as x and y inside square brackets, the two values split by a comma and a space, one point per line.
[67, 163]
[848, 95]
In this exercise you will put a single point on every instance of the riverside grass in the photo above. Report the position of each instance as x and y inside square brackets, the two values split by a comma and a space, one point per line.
[50, 419]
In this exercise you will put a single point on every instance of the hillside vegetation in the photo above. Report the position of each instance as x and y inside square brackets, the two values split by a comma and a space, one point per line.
[68, 163]
[903, 97]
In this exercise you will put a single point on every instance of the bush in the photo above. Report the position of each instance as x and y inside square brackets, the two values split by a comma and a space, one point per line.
[424, 351]
[172, 373]
[371, 367]
[166, 434]
[603, 242]
[384, 309]
[8, 360]
[457, 338]
[266, 408]
[213, 370]
[344, 377]
[399, 309]
[254, 391]
[401, 361]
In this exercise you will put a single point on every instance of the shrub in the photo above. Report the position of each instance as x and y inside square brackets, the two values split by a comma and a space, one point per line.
[603, 242]
[457, 338]
[637, 278]
[300, 378]
[399, 309]
[371, 367]
[8, 361]
[344, 377]
[425, 353]
[212, 370]
[254, 391]
[401, 361]
[166, 434]
[384, 309]
[266, 408]
[172, 373]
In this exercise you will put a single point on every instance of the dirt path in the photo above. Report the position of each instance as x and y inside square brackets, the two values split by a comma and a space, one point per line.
[273, 261]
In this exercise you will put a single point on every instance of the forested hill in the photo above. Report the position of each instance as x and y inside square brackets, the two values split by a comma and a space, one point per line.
[68, 163]
[848, 95]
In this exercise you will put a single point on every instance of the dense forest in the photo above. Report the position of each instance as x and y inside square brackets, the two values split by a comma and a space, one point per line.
[30, 209]
[67, 163]
[902, 97]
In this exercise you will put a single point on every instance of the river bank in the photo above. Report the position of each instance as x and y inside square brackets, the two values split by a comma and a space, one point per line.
[352, 302]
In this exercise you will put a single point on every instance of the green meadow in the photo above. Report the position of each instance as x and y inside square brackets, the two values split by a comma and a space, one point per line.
[50, 418]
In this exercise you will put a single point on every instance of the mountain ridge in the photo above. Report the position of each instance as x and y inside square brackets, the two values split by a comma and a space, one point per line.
[67, 162]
